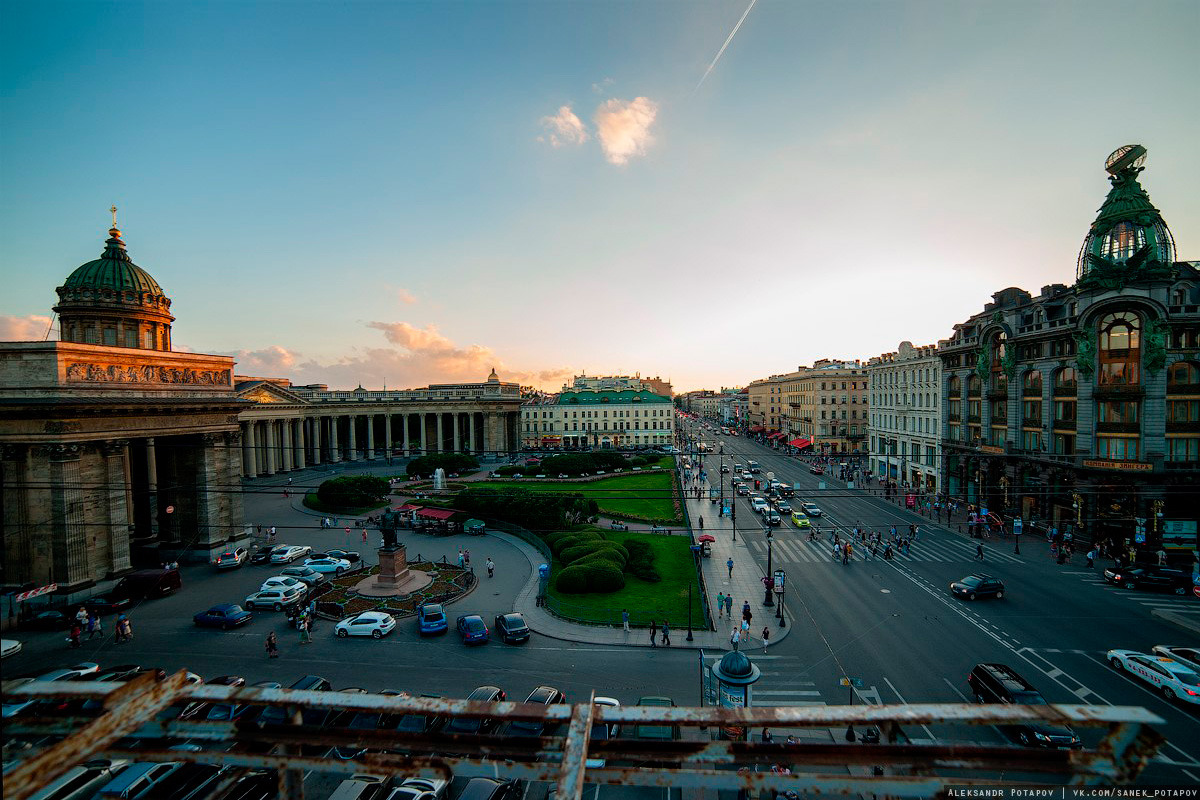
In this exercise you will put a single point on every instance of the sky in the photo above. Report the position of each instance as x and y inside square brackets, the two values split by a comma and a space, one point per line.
[399, 193]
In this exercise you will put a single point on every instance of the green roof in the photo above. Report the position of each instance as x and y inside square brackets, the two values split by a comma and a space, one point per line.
[622, 396]
[113, 270]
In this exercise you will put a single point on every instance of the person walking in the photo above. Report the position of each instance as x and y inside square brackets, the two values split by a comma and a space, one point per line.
[766, 636]
[979, 552]
[126, 629]
[729, 566]
[364, 536]
[491, 568]
[625, 619]
[653, 633]
[460, 558]
[1091, 560]
[73, 636]
[729, 606]
[81, 616]
[666, 634]
[272, 645]
[720, 604]
[305, 630]
[746, 609]
[735, 637]
[95, 627]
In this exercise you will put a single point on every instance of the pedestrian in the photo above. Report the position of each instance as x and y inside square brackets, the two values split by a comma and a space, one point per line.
[1091, 558]
[364, 536]
[625, 619]
[95, 627]
[767, 737]
[272, 645]
[729, 566]
[260, 530]
[73, 637]
[729, 606]
[491, 568]
[126, 629]
[460, 558]
[466, 557]
[766, 636]
[979, 552]
[1162, 557]
[720, 604]
[653, 633]
[81, 616]
[746, 609]
[305, 633]
[746, 631]
[735, 637]
[289, 482]
[666, 634]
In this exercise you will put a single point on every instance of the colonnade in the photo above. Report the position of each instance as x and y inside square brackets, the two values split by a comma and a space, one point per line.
[272, 444]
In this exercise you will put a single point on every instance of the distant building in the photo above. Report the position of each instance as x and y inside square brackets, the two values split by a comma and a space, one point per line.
[906, 421]
[824, 407]
[598, 418]
[636, 382]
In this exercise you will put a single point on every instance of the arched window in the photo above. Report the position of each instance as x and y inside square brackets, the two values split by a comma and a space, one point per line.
[1183, 376]
[999, 348]
[1065, 381]
[955, 386]
[1122, 241]
[1120, 349]
[1032, 384]
[974, 385]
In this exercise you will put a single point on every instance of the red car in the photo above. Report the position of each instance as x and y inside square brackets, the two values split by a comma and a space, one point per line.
[816, 470]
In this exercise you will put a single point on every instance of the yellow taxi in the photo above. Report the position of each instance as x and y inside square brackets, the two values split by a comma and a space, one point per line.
[800, 520]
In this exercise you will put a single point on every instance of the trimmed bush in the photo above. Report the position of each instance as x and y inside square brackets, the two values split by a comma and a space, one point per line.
[604, 577]
[572, 580]
[576, 552]
[641, 561]
[606, 556]
[451, 462]
[567, 542]
[353, 491]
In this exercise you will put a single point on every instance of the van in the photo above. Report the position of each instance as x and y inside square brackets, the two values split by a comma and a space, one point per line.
[147, 584]
[753, 467]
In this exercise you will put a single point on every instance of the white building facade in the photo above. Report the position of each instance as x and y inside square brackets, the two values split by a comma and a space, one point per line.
[602, 419]
[906, 415]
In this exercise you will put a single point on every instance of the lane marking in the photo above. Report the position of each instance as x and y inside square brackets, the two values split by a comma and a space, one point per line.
[896, 692]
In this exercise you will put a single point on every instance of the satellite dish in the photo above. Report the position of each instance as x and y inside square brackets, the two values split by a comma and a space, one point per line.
[1131, 155]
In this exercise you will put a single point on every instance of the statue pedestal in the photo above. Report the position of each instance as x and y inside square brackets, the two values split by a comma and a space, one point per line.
[394, 578]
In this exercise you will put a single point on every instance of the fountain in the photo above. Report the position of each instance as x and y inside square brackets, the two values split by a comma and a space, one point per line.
[439, 479]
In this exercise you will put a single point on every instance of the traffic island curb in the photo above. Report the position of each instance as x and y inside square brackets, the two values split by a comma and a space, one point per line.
[1188, 621]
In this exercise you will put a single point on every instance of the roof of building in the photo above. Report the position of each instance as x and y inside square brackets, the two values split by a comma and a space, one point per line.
[114, 269]
[587, 397]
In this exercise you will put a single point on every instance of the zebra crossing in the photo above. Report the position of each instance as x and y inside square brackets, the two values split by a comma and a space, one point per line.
[800, 550]
[1151, 601]
[778, 687]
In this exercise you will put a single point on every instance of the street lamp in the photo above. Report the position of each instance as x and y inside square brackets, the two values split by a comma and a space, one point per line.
[768, 599]
[782, 591]
[695, 568]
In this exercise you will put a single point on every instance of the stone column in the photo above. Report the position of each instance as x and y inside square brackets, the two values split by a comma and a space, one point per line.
[318, 456]
[249, 456]
[441, 433]
[269, 426]
[471, 432]
[334, 455]
[301, 439]
[456, 423]
[152, 487]
[404, 433]
[387, 434]
[68, 533]
[370, 437]
[116, 505]
[207, 481]
[285, 442]
[353, 419]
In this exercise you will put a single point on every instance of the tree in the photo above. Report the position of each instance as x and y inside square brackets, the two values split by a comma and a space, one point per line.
[353, 491]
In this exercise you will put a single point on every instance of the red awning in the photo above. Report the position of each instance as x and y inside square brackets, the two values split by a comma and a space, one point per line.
[429, 513]
[801, 442]
[775, 436]
[757, 429]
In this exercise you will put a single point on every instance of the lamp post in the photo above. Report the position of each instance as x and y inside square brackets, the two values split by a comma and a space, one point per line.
[695, 568]
[768, 599]
[782, 592]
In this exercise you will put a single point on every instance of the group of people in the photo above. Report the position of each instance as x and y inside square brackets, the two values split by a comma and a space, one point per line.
[872, 544]
[89, 622]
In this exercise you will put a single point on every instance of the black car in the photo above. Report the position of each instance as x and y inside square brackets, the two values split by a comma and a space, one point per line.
[1000, 683]
[511, 628]
[1151, 577]
[974, 586]
[51, 619]
[348, 555]
[261, 556]
[107, 604]
[543, 696]
[490, 789]
[486, 694]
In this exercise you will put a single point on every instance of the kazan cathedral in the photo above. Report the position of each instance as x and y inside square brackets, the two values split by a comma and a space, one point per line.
[1079, 407]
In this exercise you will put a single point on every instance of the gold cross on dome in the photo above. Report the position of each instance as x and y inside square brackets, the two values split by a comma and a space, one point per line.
[114, 213]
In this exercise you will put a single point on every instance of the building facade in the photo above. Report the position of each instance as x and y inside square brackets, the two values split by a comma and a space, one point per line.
[826, 407]
[600, 419]
[906, 419]
[655, 385]
[1080, 407]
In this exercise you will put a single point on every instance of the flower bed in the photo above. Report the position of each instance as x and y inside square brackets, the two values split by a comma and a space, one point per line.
[449, 582]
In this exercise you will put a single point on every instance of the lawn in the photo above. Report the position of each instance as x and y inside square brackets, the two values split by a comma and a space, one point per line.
[667, 600]
[646, 495]
[312, 501]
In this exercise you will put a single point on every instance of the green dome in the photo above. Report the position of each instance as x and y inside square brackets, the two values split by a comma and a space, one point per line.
[113, 270]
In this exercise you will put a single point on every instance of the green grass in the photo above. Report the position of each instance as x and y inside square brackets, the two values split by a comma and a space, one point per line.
[666, 600]
[646, 495]
[311, 501]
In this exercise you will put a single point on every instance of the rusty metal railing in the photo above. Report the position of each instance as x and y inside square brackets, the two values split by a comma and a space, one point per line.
[694, 760]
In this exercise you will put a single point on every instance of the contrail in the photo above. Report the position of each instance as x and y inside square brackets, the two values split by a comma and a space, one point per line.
[721, 52]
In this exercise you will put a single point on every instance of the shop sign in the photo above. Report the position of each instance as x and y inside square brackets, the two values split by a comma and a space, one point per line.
[1127, 466]
[1179, 534]
[988, 448]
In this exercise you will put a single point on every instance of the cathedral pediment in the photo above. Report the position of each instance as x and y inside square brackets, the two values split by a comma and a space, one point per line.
[264, 392]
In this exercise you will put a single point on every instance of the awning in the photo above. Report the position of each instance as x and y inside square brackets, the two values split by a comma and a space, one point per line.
[757, 428]
[802, 442]
[429, 513]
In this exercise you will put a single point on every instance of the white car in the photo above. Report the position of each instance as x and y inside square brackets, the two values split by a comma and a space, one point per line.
[425, 788]
[1188, 656]
[231, 558]
[287, 553]
[368, 623]
[9, 647]
[283, 582]
[335, 565]
[758, 504]
[77, 672]
[811, 509]
[1173, 679]
[276, 598]
[601, 731]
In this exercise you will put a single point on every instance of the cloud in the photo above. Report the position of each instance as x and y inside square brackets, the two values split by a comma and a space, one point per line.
[403, 295]
[602, 86]
[564, 128]
[623, 128]
[269, 362]
[31, 328]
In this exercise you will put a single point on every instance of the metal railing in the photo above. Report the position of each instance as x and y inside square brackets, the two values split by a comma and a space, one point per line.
[691, 757]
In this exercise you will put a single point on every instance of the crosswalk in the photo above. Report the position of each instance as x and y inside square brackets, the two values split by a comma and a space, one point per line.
[1148, 600]
[800, 550]
[778, 686]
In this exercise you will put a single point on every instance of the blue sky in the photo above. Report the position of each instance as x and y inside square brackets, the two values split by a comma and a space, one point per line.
[393, 193]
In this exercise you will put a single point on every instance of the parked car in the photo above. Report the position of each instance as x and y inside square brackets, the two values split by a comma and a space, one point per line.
[9, 647]
[261, 555]
[136, 779]
[1151, 577]
[659, 731]
[472, 629]
[603, 731]
[490, 789]
[1188, 656]
[107, 604]
[419, 789]
[335, 565]
[975, 586]
[224, 616]
[82, 781]
[369, 623]
[1000, 683]
[345, 555]
[232, 558]
[227, 712]
[307, 574]
[52, 619]
[511, 628]
[1176, 681]
[283, 582]
[815, 470]
[544, 696]
[287, 553]
[431, 618]
[77, 672]
[276, 597]
[487, 694]
[146, 584]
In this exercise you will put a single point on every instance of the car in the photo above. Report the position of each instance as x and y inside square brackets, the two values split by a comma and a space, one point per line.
[759, 504]
[420, 789]
[278, 715]
[783, 507]
[743, 490]
[224, 616]
[369, 623]
[287, 553]
[77, 672]
[277, 598]
[345, 555]
[542, 696]
[484, 694]
[198, 709]
[335, 565]
[283, 582]
[136, 778]
[724, 469]
[261, 555]
[601, 731]
[511, 628]
[800, 520]
[974, 586]
[659, 731]
[9, 647]
[107, 604]
[224, 712]
[431, 618]
[1188, 656]
[1172, 678]
[472, 629]
[1000, 683]
[232, 558]
[421, 723]
[490, 789]
[811, 509]
[1151, 577]
[52, 619]
[82, 781]
[618, 526]
[307, 574]
[738, 468]
[772, 519]
[815, 470]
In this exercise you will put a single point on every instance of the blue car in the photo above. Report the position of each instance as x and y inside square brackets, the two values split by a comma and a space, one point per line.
[431, 618]
[225, 616]
[472, 629]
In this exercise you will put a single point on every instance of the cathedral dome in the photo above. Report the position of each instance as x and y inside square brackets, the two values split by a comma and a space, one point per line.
[112, 301]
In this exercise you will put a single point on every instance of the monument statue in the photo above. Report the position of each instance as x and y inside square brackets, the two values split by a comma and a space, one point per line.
[389, 521]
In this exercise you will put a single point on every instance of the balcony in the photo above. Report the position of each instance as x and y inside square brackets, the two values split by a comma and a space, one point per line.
[1118, 427]
[1122, 391]
[1031, 422]
[1183, 427]
[997, 392]
[1065, 391]
[954, 417]
[972, 419]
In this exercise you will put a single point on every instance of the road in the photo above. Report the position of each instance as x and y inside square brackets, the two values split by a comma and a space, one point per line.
[894, 625]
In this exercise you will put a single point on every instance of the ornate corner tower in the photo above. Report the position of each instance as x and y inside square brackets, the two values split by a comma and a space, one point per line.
[113, 302]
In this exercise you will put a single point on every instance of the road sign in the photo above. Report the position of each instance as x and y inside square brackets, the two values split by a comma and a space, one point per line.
[1196, 591]
[1017, 523]
[857, 683]
[170, 509]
